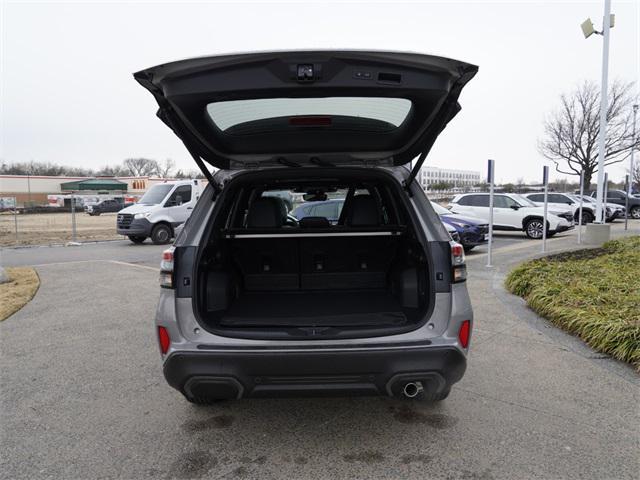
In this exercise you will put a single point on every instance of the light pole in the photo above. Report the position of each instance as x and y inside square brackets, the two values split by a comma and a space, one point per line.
[633, 149]
[588, 29]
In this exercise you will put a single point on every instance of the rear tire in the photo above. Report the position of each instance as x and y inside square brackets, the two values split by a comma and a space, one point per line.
[161, 234]
[533, 228]
[587, 217]
[635, 213]
[468, 248]
[137, 239]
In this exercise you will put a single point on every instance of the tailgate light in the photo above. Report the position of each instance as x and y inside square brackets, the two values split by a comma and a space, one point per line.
[459, 269]
[166, 268]
[163, 338]
[465, 333]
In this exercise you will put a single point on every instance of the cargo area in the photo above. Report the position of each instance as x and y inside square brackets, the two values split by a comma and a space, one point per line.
[268, 271]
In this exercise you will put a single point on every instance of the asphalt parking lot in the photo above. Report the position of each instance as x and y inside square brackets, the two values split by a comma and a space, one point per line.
[83, 394]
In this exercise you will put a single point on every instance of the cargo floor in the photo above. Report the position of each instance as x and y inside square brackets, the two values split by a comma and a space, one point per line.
[370, 308]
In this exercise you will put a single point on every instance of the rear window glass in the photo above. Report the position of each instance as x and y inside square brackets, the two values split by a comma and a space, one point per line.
[391, 111]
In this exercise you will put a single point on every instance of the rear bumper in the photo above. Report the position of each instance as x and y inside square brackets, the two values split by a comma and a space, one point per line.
[317, 372]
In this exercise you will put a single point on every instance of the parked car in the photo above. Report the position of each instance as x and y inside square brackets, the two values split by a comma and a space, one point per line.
[513, 212]
[160, 210]
[611, 212]
[559, 201]
[472, 231]
[453, 232]
[330, 209]
[105, 206]
[622, 198]
[376, 304]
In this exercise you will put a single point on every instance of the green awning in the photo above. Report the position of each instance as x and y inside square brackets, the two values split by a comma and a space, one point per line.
[94, 184]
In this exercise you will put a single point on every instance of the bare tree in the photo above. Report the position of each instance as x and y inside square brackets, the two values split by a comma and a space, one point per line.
[115, 171]
[141, 167]
[570, 138]
[164, 169]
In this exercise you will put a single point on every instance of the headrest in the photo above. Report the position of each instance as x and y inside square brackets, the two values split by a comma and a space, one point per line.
[314, 222]
[364, 211]
[266, 212]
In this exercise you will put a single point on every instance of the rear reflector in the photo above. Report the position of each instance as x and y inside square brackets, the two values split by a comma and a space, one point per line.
[464, 334]
[163, 338]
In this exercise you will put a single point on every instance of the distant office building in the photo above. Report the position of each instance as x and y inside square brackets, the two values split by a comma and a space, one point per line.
[456, 178]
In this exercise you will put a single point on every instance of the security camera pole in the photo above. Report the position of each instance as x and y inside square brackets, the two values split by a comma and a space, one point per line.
[545, 183]
[490, 177]
[588, 30]
[630, 176]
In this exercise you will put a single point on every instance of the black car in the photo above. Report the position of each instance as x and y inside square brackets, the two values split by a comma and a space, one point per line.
[620, 197]
[105, 206]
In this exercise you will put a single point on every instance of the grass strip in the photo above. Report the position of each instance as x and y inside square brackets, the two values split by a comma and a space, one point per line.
[594, 294]
[22, 286]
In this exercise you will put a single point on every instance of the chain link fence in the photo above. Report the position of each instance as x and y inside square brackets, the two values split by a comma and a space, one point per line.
[43, 225]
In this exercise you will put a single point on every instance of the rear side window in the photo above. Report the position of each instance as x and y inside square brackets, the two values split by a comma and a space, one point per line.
[479, 200]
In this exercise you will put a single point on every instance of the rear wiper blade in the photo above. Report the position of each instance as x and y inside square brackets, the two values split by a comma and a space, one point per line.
[288, 163]
[321, 163]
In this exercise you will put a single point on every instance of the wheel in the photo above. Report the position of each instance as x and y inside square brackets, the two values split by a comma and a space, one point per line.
[435, 397]
[635, 213]
[468, 248]
[137, 239]
[533, 228]
[161, 234]
[587, 217]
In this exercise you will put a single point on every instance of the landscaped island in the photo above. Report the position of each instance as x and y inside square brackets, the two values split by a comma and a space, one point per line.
[593, 293]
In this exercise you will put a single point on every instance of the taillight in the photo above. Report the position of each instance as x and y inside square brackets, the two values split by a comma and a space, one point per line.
[163, 338]
[459, 269]
[166, 268]
[464, 333]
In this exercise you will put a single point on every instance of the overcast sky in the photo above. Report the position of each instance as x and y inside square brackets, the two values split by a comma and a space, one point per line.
[68, 95]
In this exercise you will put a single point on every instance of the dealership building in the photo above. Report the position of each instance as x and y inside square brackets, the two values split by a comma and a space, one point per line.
[457, 178]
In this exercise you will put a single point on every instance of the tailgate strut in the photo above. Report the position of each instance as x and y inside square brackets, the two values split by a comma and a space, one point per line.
[166, 115]
[446, 113]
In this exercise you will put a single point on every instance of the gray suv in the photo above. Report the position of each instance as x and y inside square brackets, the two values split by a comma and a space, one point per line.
[257, 302]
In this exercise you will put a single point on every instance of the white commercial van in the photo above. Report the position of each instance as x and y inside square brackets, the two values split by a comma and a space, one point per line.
[159, 211]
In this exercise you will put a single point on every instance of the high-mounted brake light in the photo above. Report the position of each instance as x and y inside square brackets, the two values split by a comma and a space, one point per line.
[465, 333]
[459, 269]
[166, 268]
[163, 339]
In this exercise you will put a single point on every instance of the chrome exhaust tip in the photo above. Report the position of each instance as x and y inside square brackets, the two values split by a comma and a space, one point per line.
[412, 389]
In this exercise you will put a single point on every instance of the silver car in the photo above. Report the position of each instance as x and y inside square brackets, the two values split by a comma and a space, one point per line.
[257, 302]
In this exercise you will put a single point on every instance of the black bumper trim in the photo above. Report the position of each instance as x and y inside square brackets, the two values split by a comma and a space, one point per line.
[138, 226]
[229, 374]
